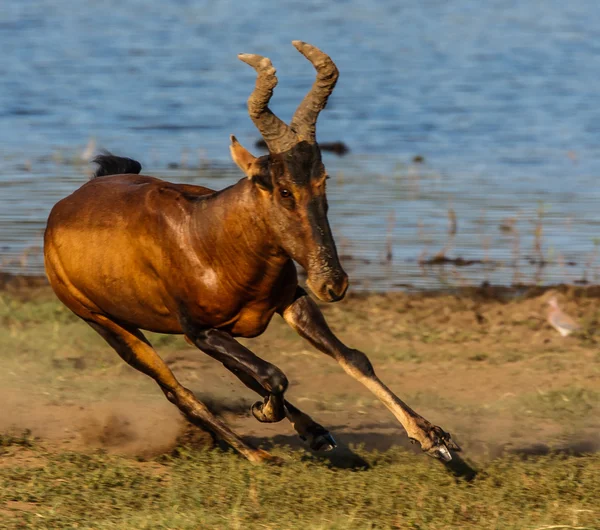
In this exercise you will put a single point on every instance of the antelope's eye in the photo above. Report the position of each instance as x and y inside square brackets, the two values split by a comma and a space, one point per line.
[285, 193]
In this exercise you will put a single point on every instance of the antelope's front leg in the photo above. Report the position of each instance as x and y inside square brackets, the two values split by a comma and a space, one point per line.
[306, 318]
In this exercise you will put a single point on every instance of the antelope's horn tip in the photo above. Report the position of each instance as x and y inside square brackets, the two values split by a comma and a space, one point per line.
[256, 61]
[301, 46]
[245, 57]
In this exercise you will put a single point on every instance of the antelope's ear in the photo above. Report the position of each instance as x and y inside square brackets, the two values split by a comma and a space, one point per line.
[244, 159]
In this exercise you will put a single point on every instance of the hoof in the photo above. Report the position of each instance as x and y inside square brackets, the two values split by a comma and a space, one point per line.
[258, 412]
[323, 442]
[440, 443]
[318, 438]
[440, 452]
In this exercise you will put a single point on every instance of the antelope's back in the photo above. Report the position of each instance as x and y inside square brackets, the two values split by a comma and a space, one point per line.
[121, 203]
[112, 238]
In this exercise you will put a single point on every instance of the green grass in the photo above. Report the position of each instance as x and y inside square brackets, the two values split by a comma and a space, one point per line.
[41, 342]
[221, 490]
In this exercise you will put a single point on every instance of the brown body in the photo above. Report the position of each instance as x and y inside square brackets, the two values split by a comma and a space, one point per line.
[127, 252]
[157, 253]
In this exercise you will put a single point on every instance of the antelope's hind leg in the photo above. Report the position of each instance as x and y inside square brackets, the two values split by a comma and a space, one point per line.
[221, 346]
[315, 435]
[267, 381]
[134, 349]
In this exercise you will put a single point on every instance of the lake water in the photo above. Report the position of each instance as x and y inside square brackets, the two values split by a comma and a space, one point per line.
[500, 98]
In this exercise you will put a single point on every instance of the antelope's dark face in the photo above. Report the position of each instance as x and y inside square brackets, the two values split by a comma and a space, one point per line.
[291, 190]
[291, 179]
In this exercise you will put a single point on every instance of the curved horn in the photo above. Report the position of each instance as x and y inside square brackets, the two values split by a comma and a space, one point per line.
[304, 122]
[275, 132]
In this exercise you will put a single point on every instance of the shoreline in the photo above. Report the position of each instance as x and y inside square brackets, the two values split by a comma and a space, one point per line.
[16, 283]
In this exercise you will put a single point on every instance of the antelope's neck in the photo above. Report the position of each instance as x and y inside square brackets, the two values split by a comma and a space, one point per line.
[233, 237]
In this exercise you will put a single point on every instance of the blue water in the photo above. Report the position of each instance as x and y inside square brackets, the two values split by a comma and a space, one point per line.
[500, 97]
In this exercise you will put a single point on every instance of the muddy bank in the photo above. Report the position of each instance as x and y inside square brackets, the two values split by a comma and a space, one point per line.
[24, 284]
[21, 282]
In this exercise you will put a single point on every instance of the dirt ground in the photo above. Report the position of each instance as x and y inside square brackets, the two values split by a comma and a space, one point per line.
[481, 363]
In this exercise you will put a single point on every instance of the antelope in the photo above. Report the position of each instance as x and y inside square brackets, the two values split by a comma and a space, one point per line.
[127, 252]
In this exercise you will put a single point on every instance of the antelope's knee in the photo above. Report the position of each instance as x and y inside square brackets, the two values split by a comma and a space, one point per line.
[357, 362]
[275, 380]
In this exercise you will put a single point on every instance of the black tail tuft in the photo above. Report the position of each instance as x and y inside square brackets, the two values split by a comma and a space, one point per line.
[109, 164]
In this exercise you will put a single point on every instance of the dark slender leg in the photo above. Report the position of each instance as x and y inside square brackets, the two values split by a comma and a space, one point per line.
[133, 347]
[306, 318]
[267, 381]
[317, 437]
[240, 360]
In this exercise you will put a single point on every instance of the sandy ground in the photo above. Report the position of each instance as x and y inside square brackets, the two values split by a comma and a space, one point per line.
[482, 364]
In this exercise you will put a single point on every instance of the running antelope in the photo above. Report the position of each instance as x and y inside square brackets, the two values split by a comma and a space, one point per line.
[127, 252]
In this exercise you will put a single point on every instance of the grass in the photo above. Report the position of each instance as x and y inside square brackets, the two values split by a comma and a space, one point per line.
[42, 341]
[566, 404]
[212, 489]
[505, 377]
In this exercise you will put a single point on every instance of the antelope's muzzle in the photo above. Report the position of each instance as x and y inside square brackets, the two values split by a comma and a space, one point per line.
[330, 288]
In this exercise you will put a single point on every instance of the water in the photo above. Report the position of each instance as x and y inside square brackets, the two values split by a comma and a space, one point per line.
[499, 97]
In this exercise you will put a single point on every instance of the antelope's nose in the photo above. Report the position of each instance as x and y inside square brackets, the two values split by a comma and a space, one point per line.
[336, 289]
